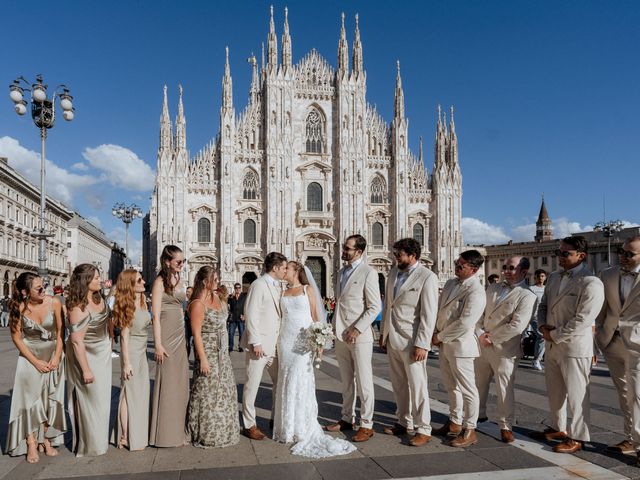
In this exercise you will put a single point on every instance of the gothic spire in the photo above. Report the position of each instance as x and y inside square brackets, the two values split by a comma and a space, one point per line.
[181, 137]
[272, 45]
[227, 84]
[398, 110]
[286, 41]
[452, 124]
[165, 122]
[357, 53]
[255, 86]
[343, 50]
[420, 156]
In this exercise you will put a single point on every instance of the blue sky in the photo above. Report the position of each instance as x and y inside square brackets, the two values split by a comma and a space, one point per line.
[546, 94]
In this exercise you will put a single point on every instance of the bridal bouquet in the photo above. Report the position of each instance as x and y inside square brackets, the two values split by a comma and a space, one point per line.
[319, 334]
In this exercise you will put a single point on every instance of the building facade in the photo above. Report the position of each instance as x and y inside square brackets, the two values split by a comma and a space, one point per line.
[308, 162]
[19, 217]
[86, 243]
[541, 251]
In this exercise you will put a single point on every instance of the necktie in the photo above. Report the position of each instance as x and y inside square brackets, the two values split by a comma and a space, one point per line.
[402, 277]
[345, 276]
[626, 273]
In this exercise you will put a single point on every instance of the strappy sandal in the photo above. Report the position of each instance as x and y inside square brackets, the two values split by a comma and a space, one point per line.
[47, 448]
[33, 457]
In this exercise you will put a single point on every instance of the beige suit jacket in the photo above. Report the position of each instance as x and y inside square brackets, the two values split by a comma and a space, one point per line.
[614, 313]
[506, 320]
[572, 312]
[262, 315]
[458, 315]
[359, 304]
[409, 318]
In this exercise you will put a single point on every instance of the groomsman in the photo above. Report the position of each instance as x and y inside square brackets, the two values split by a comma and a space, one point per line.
[571, 302]
[618, 338]
[262, 316]
[461, 305]
[506, 315]
[408, 320]
[357, 305]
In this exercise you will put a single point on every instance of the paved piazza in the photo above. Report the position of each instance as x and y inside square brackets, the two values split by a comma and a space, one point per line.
[381, 457]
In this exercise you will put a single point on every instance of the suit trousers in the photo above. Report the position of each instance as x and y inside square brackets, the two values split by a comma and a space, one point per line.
[617, 357]
[410, 390]
[491, 365]
[633, 395]
[567, 380]
[356, 371]
[255, 369]
[459, 378]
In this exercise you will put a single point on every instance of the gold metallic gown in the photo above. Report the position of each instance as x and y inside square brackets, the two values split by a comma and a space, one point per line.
[37, 398]
[90, 404]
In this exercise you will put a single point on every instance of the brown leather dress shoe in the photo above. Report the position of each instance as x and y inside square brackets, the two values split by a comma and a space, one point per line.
[465, 439]
[449, 429]
[419, 439]
[568, 446]
[362, 435]
[623, 447]
[339, 426]
[397, 429]
[548, 434]
[506, 435]
[254, 433]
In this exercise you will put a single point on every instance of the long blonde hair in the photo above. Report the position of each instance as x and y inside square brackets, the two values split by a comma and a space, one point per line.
[124, 307]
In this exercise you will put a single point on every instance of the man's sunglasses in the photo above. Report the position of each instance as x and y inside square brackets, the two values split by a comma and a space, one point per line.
[510, 268]
[564, 253]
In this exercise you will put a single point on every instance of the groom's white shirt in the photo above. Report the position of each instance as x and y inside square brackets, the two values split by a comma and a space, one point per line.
[262, 315]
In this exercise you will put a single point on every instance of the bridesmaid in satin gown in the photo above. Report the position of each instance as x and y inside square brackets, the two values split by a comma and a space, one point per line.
[171, 388]
[130, 314]
[37, 420]
[88, 363]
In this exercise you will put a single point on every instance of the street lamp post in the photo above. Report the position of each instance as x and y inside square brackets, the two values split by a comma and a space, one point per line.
[608, 229]
[126, 213]
[43, 113]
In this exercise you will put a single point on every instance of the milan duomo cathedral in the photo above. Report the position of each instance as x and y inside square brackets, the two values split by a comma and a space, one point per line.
[307, 163]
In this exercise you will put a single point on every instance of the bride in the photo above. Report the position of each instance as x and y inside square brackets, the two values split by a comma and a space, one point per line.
[296, 407]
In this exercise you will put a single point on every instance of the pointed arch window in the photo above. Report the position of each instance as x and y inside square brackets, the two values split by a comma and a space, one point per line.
[377, 234]
[250, 186]
[204, 230]
[314, 197]
[249, 231]
[378, 190]
[314, 132]
[418, 233]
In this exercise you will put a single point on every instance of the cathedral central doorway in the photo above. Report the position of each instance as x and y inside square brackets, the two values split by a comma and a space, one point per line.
[247, 279]
[319, 272]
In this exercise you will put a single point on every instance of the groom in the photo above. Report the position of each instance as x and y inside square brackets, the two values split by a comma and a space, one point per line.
[262, 325]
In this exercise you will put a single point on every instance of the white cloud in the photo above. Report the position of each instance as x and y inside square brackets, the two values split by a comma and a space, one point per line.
[135, 243]
[80, 166]
[121, 167]
[95, 220]
[60, 183]
[523, 233]
[563, 227]
[476, 232]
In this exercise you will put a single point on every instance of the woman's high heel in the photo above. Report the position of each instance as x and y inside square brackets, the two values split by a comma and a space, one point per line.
[32, 457]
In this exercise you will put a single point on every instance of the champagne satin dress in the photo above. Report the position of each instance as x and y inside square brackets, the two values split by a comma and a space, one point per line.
[171, 388]
[90, 404]
[135, 390]
[37, 397]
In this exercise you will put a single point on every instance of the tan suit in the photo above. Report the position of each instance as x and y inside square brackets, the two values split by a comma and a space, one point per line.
[571, 312]
[618, 336]
[506, 316]
[262, 326]
[408, 320]
[357, 306]
[459, 309]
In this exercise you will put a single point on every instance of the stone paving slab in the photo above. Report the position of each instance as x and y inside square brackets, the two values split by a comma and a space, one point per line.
[434, 464]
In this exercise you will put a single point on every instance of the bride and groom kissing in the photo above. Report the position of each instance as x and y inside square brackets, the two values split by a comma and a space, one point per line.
[275, 325]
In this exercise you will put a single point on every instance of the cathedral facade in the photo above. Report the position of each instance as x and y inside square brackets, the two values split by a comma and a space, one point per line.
[307, 163]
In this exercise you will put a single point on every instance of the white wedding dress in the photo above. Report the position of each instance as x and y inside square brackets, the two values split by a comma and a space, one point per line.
[296, 408]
